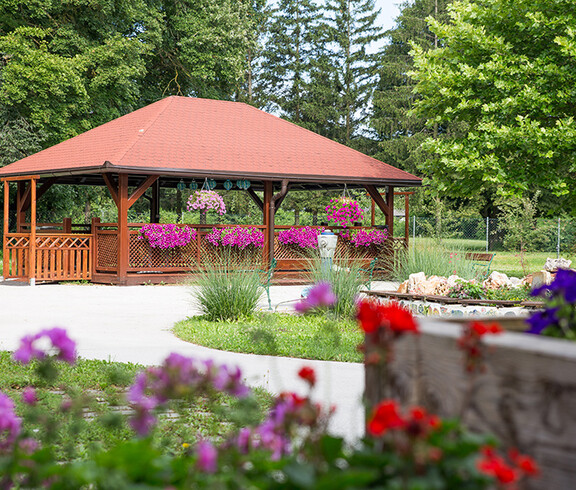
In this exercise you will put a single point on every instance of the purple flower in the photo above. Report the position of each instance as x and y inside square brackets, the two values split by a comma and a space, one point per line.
[9, 423]
[66, 348]
[167, 236]
[238, 237]
[29, 396]
[320, 295]
[207, 457]
[28, 445]
[142, 422]
[306, 237]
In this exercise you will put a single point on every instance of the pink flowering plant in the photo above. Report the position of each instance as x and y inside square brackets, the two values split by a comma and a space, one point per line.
[344, 212]
[239, 237]
[305, 237]
[167, 236]
[363, 238]
[289, 447]
[204, 200]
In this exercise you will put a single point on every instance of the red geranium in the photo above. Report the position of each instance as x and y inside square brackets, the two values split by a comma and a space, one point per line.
[384, 416]
[373, 315]
[308, 375]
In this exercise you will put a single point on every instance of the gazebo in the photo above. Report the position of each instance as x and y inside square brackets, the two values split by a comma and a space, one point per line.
[173, 140]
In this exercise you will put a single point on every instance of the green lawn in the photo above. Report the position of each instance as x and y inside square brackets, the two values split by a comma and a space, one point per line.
[307, 337]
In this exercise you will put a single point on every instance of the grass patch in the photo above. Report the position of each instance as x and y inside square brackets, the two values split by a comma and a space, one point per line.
[509, 262]
[306, 337]
[99, 388]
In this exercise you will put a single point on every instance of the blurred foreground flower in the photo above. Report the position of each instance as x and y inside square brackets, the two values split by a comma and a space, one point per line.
[63, 347]
[320, 295]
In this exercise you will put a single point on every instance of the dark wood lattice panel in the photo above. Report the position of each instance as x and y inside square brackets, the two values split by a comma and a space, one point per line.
[107, 251]
[144, 257]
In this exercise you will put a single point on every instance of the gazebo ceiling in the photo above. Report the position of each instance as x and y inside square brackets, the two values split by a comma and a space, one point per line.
[183, 137]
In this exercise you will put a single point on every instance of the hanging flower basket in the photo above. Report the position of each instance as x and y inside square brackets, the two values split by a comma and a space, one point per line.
[344, 211]
[306, 237]
[205, 200]
[166, 236]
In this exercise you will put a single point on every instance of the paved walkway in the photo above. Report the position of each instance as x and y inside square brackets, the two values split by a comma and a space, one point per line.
[132, 324]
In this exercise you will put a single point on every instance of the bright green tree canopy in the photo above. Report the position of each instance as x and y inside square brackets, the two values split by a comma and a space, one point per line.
[506, 73]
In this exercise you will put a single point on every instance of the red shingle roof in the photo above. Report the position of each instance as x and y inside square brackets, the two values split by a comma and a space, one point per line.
[197, 137]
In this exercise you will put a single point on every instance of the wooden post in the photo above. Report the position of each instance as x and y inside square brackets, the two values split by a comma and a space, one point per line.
[32, 266]
[67, 225]
[6, 263]
[406, 217]
[93, 249]
[155, 203]
[269, 230]
[390, 215]
[373, 214]
[123, 245]
[20, 211]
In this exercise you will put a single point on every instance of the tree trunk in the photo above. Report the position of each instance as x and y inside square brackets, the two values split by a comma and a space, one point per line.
[314, 218]
[296, 217]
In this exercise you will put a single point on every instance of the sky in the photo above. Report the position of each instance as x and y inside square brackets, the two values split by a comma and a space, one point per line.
[389, 11]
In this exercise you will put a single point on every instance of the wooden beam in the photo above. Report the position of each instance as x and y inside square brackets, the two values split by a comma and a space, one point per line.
[155, 203]
[390, 215]
[20, 177]
[137, 194]
[6, 262]
[256, 199]
[374, 194]
[112, 188]
[123, 245]
[279, 201]
[20, 200]
[32, 266]
[269, 232]
[39, 193]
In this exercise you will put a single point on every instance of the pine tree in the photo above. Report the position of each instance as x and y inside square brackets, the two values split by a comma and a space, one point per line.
[287, 57]
[401, 133]
[353, 29]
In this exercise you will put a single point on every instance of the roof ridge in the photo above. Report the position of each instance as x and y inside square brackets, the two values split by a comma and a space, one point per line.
[142, 131]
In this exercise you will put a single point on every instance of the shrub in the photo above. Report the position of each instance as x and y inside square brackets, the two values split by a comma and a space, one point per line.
[226, 291]
[346, 281]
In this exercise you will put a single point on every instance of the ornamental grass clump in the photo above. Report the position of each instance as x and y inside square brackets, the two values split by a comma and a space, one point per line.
[167, 236]
[227, 291]
[306, 237]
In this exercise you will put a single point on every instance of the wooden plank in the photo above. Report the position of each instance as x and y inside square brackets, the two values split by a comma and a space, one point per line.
[32, 272]
[123, 245]
[20, 177]
[269, 237]
[6, 264]
[374, 194]
[390, 215]
[111, 188]
[255, 198]
[137, 194]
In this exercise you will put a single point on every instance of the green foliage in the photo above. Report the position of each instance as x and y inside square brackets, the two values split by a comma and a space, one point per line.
[227, 290]
[346, 280]
[505, 74]
[305, 337]
[433, 260]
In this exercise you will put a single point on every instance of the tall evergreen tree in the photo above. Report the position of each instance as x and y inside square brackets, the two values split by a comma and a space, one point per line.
[400, 132]
[353, 29]
[287, 58]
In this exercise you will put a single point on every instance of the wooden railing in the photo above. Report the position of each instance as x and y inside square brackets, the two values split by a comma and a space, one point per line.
[58, 257]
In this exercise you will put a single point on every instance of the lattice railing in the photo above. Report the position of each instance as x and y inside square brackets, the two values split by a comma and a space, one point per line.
[58, 257]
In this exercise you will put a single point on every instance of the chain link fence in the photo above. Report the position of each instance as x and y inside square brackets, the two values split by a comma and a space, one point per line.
[490, 234]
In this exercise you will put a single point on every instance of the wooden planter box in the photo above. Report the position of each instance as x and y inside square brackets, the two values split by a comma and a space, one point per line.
[526, 397]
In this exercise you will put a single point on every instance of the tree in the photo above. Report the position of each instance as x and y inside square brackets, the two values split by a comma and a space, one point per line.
[353, 29]
[287, 57]
[505, 73]
[401, 133]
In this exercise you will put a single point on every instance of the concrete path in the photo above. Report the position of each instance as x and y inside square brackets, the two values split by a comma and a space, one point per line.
[132, 324]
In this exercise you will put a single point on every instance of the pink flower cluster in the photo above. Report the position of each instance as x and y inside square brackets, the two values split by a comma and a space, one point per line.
[206, 200]
[240, 237]
[344, 212]
[10, 423]
[62, 346]
[306, 237]
[320, 295]
[167, 236]
[177, 378]
[363, 238]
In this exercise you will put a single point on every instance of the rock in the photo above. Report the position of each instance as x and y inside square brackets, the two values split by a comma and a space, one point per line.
[552, 265]
[414, 280]
[453, 280]
[403, 288]
[541, 278]
[515, 282]
[496, 280]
